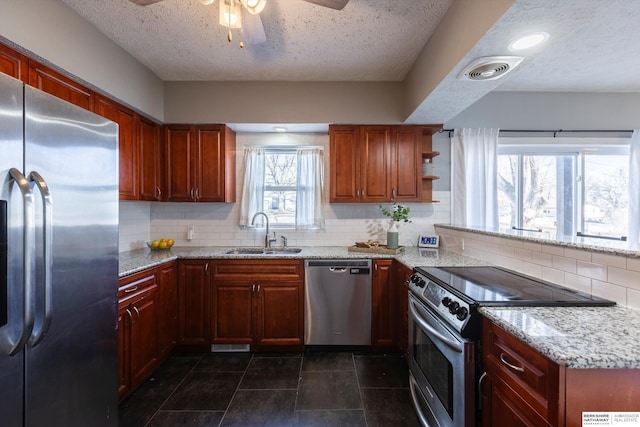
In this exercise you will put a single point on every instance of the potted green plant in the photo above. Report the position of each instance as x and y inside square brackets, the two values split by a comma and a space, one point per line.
[397, 213]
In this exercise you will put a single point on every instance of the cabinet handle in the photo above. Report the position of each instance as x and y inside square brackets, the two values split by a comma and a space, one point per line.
[206, 269]
[191, 194]
[258, 288]
[128, 291]
[358, 193]
[129, 314]
[158, 192]
[253, 288]
[137, 312]
[393, 195]
[197, 193]
[514, 367]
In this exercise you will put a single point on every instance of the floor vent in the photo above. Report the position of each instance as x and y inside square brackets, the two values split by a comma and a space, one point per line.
[229, 348]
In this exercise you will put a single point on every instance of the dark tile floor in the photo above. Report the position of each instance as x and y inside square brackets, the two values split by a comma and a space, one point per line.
[298, 389]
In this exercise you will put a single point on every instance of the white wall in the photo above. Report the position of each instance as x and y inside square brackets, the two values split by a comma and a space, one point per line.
[216, 224]
[52, 31]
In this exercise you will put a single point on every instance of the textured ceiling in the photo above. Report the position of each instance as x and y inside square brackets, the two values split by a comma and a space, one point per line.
[369, 40]
[593, 45]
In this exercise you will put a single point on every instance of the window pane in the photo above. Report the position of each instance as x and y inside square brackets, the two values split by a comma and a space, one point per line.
[606, 199]
[507, 191]
[280, 187]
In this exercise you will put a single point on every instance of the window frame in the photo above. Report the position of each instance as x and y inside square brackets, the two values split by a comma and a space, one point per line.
[548, 146]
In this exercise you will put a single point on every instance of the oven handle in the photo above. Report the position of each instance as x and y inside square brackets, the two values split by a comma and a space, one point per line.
[412, 389]
[423, 323]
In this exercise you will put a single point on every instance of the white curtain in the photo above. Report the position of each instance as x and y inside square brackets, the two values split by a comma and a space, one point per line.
[474, 188]
[634, 189]
[310, 188]
[253, 185]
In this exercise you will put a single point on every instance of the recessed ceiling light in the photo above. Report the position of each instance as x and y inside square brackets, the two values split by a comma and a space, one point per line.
[528, 41]
[280, 129]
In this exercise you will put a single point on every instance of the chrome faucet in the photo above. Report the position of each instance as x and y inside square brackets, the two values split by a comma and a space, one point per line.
[267, 240]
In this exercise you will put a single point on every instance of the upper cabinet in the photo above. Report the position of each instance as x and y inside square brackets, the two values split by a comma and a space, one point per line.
[13, 63]
[377, 164]
[60, 86]
[150, 160]
[200, 163]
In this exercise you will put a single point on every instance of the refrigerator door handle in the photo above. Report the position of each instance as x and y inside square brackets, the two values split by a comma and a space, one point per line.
[47, 206]
[10, 346]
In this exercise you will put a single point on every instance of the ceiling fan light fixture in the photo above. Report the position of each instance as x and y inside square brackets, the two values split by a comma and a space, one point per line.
[230, 14]
[254, 7]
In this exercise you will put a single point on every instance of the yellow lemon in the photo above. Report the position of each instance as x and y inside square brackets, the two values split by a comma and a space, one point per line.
[155, 243]
[170, 242]
[162, 244]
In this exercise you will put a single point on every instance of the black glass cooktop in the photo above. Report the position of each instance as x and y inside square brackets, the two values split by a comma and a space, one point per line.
[494, 286]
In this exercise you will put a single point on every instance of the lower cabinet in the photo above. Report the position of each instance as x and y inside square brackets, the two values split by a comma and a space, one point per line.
[147, 315]
[383, 305]
[401, 276]
[137, 325]
[524, 388]
[259, 303]
[194, 289]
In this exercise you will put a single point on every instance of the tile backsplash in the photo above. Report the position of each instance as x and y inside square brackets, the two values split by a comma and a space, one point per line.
[610, 276]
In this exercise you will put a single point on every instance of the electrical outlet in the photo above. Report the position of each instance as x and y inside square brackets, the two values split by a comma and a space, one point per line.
[190, 233]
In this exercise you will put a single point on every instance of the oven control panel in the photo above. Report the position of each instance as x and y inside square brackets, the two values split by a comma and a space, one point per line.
[449, 307]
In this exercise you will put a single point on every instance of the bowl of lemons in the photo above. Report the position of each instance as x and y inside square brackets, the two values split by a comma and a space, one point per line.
[160, 244]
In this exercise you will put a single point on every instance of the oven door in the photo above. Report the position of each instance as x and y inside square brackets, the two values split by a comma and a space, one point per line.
[442, 370]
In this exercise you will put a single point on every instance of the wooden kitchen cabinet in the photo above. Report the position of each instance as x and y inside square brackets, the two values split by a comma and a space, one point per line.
[383, 305]
[200, 163]
[150, 160]
[167, 330]
[259, 303]
[377, 164]
[137, 325]
[127, 145]
[194, 289]
[60, 86]
[14, 64]
[524, 388]
[401, 276]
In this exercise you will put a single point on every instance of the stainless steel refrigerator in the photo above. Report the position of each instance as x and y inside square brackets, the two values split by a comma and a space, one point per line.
[58, 262]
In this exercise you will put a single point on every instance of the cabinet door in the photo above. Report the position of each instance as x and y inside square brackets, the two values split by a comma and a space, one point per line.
[209, 164]
[13, 63]
[60, 86]
[128, 149]
[150, 165]
[400, 277]
[124, 351]
[178, 153]
[501, 407]
[383, 310]
[144, 338]
[193, 304]
[232, 312]
[406, 167]
[167, 279]
[345, 164]
[375, 164]
[279, 315]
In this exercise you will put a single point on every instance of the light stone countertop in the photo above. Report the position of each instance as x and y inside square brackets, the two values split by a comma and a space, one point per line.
[576, 337]
[140, 259]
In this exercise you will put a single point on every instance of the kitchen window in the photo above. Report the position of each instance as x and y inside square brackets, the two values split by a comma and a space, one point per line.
[286, 183]
[564, 189]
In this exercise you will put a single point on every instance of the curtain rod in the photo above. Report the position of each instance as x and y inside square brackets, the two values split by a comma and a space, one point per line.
[554, 131]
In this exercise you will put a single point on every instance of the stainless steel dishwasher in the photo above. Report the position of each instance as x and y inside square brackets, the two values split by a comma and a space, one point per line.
[337, 302]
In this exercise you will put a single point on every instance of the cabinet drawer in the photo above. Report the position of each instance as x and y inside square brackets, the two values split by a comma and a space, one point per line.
[133, 286]
[259, 269]
[531, 375]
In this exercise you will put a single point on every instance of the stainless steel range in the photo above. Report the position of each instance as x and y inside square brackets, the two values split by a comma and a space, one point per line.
[445, 330]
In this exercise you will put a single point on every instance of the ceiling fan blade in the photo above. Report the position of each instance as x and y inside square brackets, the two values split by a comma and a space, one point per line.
[252, 29]
[333, 4]
[145, 2]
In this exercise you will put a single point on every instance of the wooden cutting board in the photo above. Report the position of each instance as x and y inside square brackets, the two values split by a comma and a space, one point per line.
[382, 249]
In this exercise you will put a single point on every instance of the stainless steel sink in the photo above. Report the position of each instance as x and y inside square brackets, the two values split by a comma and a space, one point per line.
[263, 251]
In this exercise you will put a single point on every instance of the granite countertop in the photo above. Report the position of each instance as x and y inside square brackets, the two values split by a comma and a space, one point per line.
[140, 259]
[576, 337]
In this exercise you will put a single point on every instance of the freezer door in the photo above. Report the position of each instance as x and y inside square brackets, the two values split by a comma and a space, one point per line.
[11, 284]
[71, 371]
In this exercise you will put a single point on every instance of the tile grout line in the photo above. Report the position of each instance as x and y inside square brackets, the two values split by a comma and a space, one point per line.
[364, 412]
[235, 391]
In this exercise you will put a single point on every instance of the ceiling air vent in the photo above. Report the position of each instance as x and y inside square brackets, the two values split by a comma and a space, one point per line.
[490, 67]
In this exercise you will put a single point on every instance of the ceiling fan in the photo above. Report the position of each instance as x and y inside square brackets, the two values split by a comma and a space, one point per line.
[234, 12]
